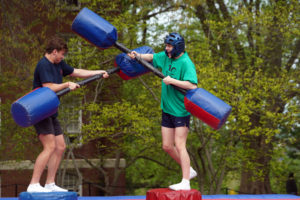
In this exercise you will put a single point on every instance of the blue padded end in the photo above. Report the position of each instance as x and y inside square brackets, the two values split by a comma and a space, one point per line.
[95, 29]
[131, 67]
[35, 106]
[48, 196]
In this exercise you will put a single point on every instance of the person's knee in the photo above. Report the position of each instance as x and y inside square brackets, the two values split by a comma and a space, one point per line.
[167, 148]
[61, 147]
[180, 144]
[180, 147]
[50, 148]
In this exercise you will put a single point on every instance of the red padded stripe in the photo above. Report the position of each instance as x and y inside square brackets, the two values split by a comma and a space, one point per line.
[195, 110]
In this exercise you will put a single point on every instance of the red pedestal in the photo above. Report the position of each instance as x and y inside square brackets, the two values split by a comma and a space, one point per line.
[167, 194]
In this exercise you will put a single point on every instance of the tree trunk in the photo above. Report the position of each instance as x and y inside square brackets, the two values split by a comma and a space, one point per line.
[255, 178]
[259, 186]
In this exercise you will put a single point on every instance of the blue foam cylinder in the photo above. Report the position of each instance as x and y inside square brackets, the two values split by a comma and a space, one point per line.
[131, 68]
[94, 28]
[207, 107]
[35, 106]
[48, 196]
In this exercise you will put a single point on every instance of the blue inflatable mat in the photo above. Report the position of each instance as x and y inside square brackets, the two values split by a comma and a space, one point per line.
[252, 197]
[114, 198]
[48, 196]
[211, 197]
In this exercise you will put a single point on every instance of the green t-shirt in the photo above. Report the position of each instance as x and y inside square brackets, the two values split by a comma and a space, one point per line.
[172, 101]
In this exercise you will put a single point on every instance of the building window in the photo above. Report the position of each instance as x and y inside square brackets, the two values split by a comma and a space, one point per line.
[75, 120]
[72, 5]
[71, 118]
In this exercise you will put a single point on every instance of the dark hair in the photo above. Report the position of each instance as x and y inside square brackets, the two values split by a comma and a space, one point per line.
[56, 43]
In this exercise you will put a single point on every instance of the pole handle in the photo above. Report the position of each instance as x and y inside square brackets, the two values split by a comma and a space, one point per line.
[147, 65]
[87, 80]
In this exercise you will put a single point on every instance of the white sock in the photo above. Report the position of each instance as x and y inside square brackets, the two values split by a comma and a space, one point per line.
[185, 181]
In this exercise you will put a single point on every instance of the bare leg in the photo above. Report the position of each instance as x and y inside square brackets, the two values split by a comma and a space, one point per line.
[180, 137]
[48, 142]
[55, 158]
[181, 134]
[168, 140]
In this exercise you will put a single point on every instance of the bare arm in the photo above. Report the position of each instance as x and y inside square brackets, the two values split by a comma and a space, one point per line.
[57, 87]
[83, 73]
[147, 57]
[182, 84]
[167, 80]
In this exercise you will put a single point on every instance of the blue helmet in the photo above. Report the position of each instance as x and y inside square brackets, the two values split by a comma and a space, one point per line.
[177, 42]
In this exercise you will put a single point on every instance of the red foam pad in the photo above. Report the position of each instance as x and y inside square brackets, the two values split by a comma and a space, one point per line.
[202, 114]
[167, 194]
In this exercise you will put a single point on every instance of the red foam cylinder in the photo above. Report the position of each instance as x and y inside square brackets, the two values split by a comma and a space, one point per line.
[167, 194]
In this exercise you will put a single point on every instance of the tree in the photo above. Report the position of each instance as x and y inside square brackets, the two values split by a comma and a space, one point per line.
[128, 123]
[121, 117]
[254, 45]
[246, 53]
[24, 27]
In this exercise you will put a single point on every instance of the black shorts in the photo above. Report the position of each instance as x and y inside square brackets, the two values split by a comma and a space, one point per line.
[170, 121]
[49, 125]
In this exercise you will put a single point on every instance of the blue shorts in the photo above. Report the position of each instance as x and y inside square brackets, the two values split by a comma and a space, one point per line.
[170, 121]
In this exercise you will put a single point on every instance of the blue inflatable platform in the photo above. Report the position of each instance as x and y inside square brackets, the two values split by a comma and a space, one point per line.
[210, 197]
[48, 196]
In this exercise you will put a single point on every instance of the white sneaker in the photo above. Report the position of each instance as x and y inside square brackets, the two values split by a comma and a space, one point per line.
[183, 185]
[37, 188]
[193, 173]
[54, 188]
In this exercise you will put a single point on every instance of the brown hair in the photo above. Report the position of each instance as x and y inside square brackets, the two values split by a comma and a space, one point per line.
[56, 43]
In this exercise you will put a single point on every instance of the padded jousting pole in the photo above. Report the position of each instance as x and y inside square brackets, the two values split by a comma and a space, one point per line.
[43, 102]
[199, 102]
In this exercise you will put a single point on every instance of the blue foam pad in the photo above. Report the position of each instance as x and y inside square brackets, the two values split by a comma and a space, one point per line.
[94, 29]
[35, 106]
[48, 196]
[131, 68]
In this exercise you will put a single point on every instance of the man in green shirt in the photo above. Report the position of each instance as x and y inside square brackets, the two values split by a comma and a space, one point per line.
[180, 71]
